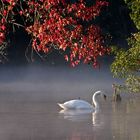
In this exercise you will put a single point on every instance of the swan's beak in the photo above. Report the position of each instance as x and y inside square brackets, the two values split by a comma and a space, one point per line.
[104, 96]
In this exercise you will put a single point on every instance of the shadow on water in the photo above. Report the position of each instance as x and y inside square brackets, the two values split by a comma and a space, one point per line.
[29, 111]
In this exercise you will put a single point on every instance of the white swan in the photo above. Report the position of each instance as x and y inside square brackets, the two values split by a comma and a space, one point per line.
[81, 104]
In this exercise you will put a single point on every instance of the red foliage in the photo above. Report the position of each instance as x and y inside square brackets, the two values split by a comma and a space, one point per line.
[62, 25]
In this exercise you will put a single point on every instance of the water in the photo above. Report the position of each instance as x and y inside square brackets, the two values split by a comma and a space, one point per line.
[29, 110]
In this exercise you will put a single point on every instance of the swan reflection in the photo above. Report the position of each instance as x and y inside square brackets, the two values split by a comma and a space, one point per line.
[96, 118]
[76, 115]
[82, 115]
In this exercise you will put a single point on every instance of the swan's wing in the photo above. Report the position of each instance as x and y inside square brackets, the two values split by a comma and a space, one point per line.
[81, 104]
[61, 105]
[68, 105]
[77, 104]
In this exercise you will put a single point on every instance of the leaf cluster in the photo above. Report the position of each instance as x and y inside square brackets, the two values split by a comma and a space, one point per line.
[127, 63]
[134, 6]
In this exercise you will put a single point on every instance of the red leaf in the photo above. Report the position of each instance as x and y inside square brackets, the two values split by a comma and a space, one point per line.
[66, 57]
[3, 27]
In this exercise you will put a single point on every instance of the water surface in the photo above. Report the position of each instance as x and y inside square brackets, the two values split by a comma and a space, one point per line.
[29, 110]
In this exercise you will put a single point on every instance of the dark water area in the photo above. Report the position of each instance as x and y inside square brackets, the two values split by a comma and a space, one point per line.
[29, 110]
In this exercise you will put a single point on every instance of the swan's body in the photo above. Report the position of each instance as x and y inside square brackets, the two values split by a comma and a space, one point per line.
[76, 104]
[81, 104]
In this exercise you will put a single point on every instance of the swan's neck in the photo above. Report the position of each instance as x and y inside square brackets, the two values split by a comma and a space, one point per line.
[95, 102]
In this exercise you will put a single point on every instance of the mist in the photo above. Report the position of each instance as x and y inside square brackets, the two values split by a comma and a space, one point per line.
[51, 83]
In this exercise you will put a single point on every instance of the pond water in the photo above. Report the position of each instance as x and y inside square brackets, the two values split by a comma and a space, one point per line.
[29, 110]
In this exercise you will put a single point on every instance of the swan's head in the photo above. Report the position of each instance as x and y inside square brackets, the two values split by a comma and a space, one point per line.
[101, 93]
[94, 99]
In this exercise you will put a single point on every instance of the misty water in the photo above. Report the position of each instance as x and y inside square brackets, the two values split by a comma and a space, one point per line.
[29, 110]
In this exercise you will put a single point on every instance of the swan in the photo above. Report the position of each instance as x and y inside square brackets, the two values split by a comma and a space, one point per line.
[81, 104]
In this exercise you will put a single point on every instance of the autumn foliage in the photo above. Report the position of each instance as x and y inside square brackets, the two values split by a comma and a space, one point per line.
[64, 25]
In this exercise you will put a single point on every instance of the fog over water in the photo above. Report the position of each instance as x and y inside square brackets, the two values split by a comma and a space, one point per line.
[29, 110]
[55, 81]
